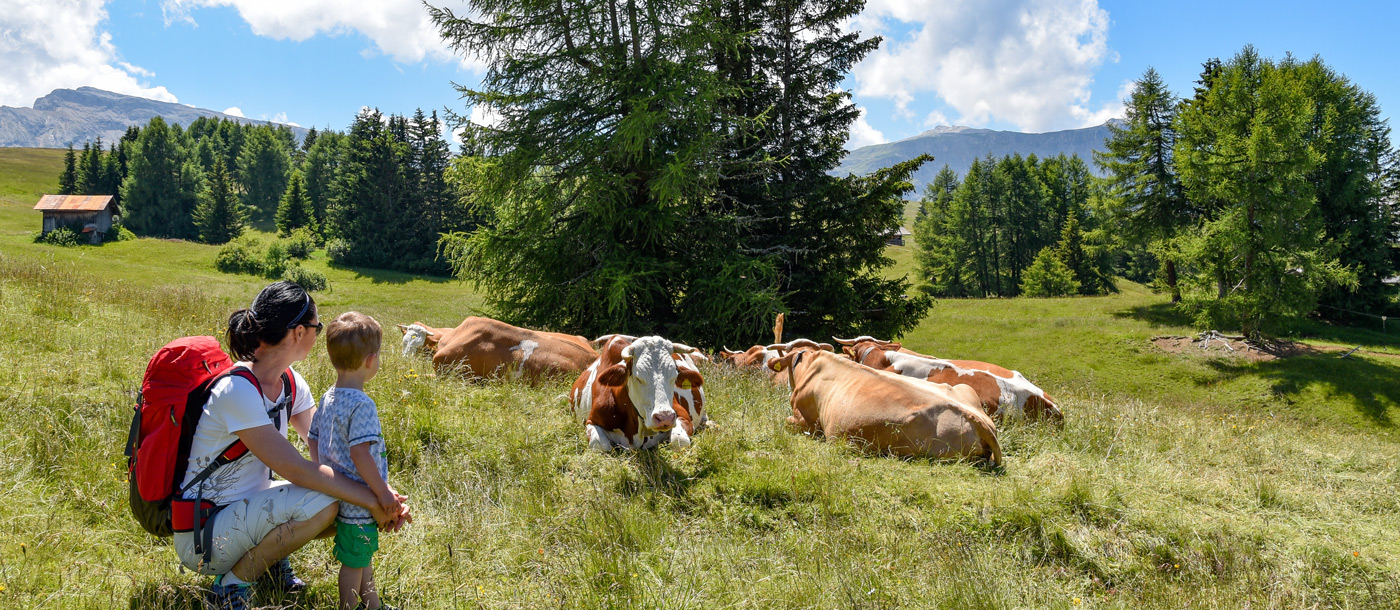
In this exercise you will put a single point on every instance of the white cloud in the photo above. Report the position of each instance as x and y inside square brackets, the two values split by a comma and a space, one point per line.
[484, 116]
[1027, 62]
[936, 118]
[400, 29]
[281, 117]
[862, 134]
[234, 111]
[59, 44]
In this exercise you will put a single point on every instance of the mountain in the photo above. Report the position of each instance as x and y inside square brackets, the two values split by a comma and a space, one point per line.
[958, 146]
[76, 116]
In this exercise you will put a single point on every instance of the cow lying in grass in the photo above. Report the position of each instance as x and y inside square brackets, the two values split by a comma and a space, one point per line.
[758, 356]
[889, 413]
[1001, 392]
[638, 393]
[486, 347]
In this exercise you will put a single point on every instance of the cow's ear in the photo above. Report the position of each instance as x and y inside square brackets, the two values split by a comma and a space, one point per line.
[894, 347]
[614, 376]
[687, 379]
[778, 365]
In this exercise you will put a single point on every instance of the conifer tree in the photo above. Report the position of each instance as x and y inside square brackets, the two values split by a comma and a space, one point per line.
[219, 217]
[319, 173]
[1049, 276]
[295, 211]
[1245, 148]
[68, 180]
[263, 166]
[158, 194]
[1142, 181]
[369, 191]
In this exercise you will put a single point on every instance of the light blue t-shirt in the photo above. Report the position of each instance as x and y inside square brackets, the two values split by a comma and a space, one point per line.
[347, 418]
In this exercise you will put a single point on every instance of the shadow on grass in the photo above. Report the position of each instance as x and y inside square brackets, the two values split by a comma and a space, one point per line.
[385, 276]
[1156, 314]
[1373, 387]
[656, 474]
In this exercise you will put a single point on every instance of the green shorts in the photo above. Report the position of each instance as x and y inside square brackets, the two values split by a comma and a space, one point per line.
[355, 544]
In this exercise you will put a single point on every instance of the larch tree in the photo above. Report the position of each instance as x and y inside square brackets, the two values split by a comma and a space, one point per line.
[163, 178]
[1246, 146]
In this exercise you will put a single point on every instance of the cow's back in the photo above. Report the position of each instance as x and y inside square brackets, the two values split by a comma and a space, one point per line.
[488, 346]
[902, 416]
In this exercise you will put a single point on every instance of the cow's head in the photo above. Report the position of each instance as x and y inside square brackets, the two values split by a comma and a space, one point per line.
[799, 344]
[416, 336]
[860, 347]
[1043, 407]
[650, 374]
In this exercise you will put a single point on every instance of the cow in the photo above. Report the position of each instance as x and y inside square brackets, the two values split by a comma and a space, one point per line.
[889, 413]
[689, 403]
[1002, 392]
[485, 347]
[628, 396]
[758, 356]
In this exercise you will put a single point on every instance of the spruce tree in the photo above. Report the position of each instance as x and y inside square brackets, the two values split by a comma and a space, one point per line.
[319, 173]
[68, 180]
[1142, 177]
[1049, 276]
[295, 211]
[159, 191]
[602, 214]
[369, 194]
[788, 119]
[263, 166]
[219, 217]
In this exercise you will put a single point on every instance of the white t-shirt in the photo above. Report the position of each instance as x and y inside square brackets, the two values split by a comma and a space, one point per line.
[236, 404]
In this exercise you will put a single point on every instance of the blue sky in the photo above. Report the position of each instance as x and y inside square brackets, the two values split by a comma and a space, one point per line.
[1027, 65]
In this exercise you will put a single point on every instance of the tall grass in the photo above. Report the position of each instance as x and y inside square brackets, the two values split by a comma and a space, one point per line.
[1133, 504]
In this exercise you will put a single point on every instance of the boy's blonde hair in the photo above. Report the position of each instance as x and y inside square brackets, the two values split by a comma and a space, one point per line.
[350, 338]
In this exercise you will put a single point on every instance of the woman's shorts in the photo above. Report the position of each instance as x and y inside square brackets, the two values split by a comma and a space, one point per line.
[240, 526]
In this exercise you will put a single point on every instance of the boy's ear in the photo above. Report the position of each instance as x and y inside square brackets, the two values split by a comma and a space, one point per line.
[369, 360]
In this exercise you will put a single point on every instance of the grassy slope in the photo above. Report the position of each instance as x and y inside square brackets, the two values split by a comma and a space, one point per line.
[1178, 480]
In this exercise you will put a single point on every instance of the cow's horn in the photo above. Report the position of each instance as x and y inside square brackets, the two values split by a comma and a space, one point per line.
[846, 341]
[681, 348]
[777, 347]
[828, 347]
[627, 352]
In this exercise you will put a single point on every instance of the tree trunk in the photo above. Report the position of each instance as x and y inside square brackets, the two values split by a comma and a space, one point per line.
[1171, 281]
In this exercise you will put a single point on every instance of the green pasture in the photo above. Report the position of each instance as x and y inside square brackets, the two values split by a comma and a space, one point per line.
[1178, 480]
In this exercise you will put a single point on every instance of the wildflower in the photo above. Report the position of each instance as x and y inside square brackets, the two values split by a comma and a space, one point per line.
[1356, 553]
[1077, 601]
[541, 550]
[1176, 565]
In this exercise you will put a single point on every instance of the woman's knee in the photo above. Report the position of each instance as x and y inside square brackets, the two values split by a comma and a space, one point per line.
[326, 516]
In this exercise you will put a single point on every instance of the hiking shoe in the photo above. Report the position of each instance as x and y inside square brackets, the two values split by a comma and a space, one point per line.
[232, 597]
[280, 576]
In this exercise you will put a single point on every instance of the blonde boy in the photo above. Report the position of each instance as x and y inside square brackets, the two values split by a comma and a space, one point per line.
[345, 435]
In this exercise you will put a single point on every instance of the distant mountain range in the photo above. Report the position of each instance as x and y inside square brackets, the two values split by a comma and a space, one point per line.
[76, 116]
[958, 146]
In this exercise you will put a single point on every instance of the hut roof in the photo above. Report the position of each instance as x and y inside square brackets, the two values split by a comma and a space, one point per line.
[74, 203]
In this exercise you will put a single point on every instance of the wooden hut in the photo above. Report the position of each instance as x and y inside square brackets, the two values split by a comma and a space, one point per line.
[895, 237]
[88, 214]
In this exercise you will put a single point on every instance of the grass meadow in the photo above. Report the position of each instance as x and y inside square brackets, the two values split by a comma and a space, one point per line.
[1178, 481]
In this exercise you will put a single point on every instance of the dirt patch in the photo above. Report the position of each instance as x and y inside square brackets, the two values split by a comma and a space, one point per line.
[1236, 347]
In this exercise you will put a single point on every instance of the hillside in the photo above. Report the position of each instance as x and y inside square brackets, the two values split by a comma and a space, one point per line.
[76, 116]
[958, 146]
[1179, 480]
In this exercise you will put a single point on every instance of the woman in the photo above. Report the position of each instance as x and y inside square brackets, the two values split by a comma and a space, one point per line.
[258, 520]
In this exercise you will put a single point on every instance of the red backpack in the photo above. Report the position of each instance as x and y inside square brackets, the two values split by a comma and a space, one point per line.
[173, 393]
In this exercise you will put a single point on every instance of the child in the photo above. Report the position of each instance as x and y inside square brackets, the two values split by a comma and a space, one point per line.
[345, 435]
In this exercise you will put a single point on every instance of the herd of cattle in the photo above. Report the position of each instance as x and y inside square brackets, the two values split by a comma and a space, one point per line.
[638, 392]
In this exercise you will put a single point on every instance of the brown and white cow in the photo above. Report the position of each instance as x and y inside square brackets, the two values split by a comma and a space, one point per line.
[1003, 392]
[628, 396]
[890, 413]
[485, 347]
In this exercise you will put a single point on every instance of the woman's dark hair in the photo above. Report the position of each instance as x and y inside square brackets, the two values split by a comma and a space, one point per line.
[277, 309]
